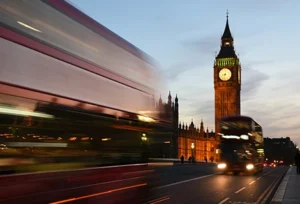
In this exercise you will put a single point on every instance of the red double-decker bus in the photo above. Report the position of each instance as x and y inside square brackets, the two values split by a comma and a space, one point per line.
[241, 145]
[71, 90]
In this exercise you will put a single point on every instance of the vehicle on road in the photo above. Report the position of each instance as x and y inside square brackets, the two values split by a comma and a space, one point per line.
[241, 145]
[74, 93]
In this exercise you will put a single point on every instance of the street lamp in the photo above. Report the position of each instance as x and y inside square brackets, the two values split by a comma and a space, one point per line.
[193, 146]
[144, 137]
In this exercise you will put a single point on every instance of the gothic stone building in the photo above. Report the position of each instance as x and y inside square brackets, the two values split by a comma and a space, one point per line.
[197, 142]
[188, 140]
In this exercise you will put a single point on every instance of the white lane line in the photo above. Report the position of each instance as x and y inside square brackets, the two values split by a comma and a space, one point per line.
[185, 181]
[251, 182]
[223, 201]
[258, 178]
[240, 190]
[268, 172]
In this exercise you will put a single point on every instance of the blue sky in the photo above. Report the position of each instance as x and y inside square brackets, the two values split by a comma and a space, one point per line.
[183, 37]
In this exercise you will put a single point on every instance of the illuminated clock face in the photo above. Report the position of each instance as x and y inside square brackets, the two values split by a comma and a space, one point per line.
[225, 74]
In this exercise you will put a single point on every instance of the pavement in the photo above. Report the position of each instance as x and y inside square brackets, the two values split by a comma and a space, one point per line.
[194, 183]
[288, 191]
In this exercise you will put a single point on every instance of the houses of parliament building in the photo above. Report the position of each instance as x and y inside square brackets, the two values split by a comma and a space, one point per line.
[189, 139]
[192, 139]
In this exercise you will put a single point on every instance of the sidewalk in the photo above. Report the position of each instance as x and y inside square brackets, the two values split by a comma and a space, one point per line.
[288, 191]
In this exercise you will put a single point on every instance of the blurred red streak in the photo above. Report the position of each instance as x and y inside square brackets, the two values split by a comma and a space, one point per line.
[98, 194]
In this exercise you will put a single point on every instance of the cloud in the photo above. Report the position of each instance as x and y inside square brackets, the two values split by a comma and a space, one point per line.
[210, 46]
[203, 108]
[207, 45]
[252, 80]
[199, 52]
[277, 119]
[173, 71]
[195, 55]
[198, 110]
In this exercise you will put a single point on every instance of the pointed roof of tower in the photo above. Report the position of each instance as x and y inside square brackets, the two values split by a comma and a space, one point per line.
[227, 49]
[192, 124]
[227, 33]
[169, 98]
[160, 100]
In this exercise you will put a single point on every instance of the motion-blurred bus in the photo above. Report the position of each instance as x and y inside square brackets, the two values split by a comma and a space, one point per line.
[73, 92]
[241, 148]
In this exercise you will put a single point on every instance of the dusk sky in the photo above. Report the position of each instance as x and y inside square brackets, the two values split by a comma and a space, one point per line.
[183, 37]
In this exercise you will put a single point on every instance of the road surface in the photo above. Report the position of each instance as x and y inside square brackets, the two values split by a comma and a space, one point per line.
[200, 183]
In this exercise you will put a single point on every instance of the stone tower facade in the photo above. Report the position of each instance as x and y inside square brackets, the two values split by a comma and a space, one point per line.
[227, 79]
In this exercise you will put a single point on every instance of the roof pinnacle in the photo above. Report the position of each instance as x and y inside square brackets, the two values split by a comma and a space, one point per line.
[227, 13]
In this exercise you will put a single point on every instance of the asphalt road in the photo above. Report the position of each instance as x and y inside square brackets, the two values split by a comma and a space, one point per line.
[218, 188]
[198, 183]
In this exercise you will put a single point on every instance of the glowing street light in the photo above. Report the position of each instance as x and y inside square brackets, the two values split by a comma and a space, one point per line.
[144, 137]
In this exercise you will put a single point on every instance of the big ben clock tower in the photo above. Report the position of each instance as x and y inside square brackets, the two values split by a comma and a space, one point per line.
[227, 79]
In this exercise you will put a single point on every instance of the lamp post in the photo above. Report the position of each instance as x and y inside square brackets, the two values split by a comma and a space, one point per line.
[193, 146]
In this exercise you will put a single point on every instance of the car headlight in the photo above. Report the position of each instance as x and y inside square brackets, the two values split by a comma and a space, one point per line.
[222, 166]
[249, 166]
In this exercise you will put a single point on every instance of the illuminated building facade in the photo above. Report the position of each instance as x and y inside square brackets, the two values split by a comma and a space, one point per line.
[188, 140]
[227, 79]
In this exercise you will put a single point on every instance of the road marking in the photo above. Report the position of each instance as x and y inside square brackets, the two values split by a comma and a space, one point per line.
[223, 201]
[258, 178]
[185, 181]
[75, 188]
[268, 172]
[262, 197]
[98, 194]
[159, 200]
[251, 182]
[240, 190]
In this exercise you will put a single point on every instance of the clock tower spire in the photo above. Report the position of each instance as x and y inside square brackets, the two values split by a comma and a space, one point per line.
[227, 79]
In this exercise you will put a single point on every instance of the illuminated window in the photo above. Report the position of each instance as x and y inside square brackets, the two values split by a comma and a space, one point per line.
[227, 43]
